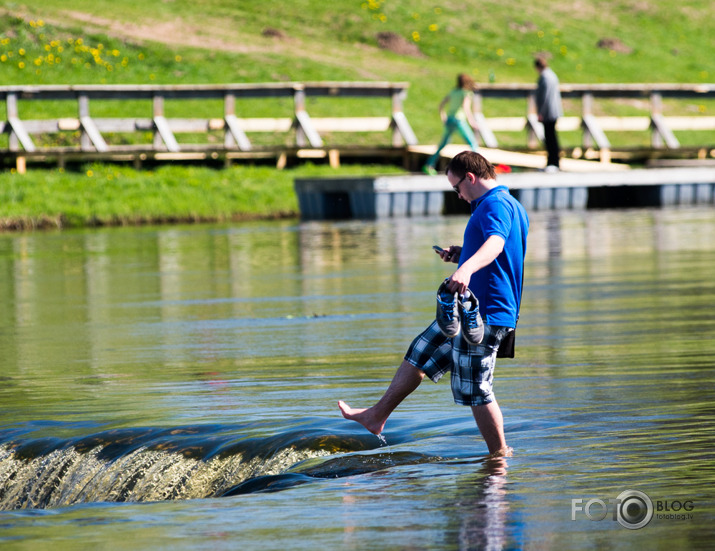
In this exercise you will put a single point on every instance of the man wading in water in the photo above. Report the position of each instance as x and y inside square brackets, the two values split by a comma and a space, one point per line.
[486, 286]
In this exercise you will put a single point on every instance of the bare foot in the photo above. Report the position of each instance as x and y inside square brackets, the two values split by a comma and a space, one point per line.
[507, 451]
[363, 416]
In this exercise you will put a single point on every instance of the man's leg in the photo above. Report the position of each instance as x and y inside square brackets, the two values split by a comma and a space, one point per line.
[491, 424]
[406, 380]
[552, 143]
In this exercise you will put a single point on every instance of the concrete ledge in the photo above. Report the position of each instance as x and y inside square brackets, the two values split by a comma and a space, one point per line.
[420, 195]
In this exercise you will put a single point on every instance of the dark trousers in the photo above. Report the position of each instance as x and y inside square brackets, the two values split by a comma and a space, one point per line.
[552, 143]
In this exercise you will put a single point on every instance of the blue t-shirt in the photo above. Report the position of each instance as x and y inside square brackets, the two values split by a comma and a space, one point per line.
[498, 286]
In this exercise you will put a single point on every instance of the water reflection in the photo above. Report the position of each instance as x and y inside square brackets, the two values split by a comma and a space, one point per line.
[482, 507]
[87, 289]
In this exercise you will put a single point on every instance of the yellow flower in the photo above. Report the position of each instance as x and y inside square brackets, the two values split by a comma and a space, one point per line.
[511, 61]
[21, 51]
[90, 173]
[500, 52]
[433, 27]
[21, 65]
[177, 58]
[415, 36]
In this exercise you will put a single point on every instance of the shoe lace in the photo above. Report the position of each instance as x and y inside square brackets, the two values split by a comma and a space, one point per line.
[471, 314]
[471, 318]
[447, 308]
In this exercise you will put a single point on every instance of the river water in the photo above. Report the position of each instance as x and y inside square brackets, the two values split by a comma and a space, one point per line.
[176, 388]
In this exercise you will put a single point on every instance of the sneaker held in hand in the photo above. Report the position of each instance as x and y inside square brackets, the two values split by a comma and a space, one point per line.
[471, 320]
[447, 311]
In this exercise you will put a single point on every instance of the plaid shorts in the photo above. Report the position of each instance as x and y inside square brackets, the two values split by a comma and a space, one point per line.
[472, 366]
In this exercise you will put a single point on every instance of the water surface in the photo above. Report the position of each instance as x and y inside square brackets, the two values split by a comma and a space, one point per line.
[178, 386]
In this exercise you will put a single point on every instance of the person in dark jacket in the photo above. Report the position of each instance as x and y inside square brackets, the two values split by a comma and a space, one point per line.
[549, 109]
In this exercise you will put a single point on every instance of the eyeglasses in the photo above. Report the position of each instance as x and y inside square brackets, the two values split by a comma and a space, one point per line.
[456, 187]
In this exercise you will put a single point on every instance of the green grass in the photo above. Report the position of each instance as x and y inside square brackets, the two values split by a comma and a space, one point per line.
[104, 194]
[222, 41]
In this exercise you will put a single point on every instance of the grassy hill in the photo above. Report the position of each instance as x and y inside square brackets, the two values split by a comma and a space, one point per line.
[418, 41]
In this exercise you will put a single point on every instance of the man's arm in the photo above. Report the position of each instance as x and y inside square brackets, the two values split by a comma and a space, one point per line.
[486, 254]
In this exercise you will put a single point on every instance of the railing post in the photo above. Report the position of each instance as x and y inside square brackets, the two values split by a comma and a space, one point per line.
[85, 143]
[157, 109]
[534, 129]
[162, 131]
[661, 134]
[656, 108]
[233, 134]
[402, 132]
[483, 131]
[586, 112]
[11, 105]
[305, 134]
[90, 138]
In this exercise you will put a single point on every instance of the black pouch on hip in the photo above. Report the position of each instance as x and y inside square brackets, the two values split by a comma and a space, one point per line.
[506, 347]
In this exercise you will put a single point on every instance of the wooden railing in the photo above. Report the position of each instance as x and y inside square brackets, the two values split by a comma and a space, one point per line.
[594, 127]
[233, 122]
[90, 137]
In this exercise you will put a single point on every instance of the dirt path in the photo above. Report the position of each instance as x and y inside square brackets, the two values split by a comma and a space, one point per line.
[222, 36]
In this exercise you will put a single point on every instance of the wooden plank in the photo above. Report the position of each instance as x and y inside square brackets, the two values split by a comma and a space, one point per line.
[407, 135]
[484, 130]
[623, 124]
[534, 126]
[68, 124]
[592, 127]
[237, 132]
[664, 132]
[19, 130]
[264, 125]
[94, 135]
[304, 124]
[690, 123]
[525, 160]
[165, 132]
[351, 124]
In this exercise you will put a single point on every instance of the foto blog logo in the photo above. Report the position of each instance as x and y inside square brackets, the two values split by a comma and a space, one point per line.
[631, 509]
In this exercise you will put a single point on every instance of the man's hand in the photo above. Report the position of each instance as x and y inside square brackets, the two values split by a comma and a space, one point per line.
[452, 254]
[459, 281]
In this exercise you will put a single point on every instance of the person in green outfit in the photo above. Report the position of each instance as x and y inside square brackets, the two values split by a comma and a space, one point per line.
[455, 110]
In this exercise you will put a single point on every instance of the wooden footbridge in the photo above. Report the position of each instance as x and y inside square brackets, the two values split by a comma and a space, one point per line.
[287, 122]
